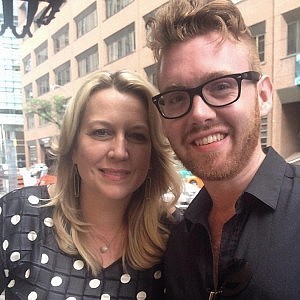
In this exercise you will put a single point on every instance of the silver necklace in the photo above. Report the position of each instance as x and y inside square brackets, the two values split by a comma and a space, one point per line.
[104, 249]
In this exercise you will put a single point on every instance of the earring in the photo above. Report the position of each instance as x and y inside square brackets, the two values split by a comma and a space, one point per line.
[76, 182]
[148, 188]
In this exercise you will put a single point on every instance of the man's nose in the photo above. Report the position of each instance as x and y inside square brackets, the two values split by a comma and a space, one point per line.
[201, 111]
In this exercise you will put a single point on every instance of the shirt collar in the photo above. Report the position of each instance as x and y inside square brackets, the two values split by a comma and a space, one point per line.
[265, 186]
[266, 183]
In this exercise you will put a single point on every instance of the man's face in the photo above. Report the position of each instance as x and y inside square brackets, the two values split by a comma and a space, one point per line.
[215, 143]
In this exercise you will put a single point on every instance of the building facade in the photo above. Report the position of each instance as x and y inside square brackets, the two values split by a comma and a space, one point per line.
[12, 150]
[89, 35]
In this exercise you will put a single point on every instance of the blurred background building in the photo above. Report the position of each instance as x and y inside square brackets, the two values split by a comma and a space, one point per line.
[12, 150]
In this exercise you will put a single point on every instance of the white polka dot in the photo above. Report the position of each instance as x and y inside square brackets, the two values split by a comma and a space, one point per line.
[141, 295]
[33, 199]
[6, 272]
[15, 256]
[94, 283]
[32, 296]
[48, 222]
[56, 281]
[32, 235]
[71, 298]
[27, 273]
[78, 264]
[157, 275]
[11, 284]
[15, 219]
[105, 297]
[125, 278]
[44, 258]
[5, 244]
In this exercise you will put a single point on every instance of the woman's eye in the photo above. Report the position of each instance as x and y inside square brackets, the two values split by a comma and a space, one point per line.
[138, 137]
[103, 132]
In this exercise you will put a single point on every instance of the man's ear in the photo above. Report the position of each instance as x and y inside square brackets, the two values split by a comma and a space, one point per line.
[265, 95]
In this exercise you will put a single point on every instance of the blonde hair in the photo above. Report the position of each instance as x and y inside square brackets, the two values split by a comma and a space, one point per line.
[180, 20]
[147, 234]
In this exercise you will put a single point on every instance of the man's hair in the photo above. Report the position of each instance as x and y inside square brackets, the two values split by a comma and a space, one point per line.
[181, 20]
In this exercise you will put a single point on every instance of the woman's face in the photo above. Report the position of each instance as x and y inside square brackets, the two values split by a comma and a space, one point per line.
[113, 147]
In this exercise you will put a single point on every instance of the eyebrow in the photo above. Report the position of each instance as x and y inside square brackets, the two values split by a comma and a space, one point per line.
[206, 77]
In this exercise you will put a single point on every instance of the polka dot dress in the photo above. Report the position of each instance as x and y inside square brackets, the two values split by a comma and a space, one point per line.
[32, 266]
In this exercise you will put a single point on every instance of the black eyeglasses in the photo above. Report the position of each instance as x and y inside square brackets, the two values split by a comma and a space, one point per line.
[218, 92]
[236, 280]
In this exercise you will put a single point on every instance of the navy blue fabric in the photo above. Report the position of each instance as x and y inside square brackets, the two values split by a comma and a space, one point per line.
[264, 231]
[32, 266]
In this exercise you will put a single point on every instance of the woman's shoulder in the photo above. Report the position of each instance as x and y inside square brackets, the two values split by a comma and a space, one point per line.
[24, 200]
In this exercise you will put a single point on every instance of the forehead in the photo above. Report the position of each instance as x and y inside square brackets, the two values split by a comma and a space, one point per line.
[190, 62]
[114, 106]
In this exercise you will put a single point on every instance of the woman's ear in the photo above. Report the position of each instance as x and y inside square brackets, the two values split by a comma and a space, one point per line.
[265, 95]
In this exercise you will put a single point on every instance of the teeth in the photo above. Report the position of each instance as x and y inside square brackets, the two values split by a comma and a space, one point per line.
[210, 139]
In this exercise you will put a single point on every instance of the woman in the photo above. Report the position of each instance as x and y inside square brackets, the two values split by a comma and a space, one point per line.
[104, 231]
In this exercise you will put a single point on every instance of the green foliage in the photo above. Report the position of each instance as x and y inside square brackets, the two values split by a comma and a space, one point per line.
[51, 110]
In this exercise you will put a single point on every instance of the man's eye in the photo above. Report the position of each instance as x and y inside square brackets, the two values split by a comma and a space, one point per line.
[176, 98]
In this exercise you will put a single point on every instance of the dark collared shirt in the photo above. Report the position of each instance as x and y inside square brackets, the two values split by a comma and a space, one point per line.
[264, 232]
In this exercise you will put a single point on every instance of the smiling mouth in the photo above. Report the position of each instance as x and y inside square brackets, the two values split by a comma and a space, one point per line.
[113, 172]
[210, 139]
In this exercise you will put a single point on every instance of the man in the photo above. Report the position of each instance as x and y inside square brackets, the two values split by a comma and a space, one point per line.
[240, 236]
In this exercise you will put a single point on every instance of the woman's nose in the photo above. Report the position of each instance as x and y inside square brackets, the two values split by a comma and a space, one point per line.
[119, 149]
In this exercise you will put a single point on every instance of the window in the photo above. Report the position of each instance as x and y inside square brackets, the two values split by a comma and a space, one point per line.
[113, 6]
[61, 38]
[41, 53]
[293, 45]
[88, 61]
[30, 120]
[62, 74]
[292, 19]
[258, 32]
[264, 131]
[28, 91]
[121, 43]
[151, 72]
[27, 63]
[87, 20]
[43, 84]
[32, 150]
[43, 121]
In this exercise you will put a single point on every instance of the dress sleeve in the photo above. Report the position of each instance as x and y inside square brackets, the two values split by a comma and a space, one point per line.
[4, 243]
[13, 207]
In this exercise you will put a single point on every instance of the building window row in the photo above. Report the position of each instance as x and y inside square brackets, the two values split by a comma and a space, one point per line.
[121, 43]
[292, 19]
[114, 6]
[88, 61]
[62, 74]
[41, 53]
[86, 20]
[61, 39]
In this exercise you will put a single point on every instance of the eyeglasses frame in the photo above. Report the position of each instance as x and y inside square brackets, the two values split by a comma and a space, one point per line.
[192, 92]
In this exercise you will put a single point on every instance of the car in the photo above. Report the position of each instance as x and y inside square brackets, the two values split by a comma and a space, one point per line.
[194, 180]
[36, 170]
[188, 193]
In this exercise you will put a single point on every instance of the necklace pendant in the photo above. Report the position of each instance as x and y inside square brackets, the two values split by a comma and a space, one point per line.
[103, 249]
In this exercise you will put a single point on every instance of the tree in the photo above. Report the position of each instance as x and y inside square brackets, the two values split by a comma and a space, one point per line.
[51, 110]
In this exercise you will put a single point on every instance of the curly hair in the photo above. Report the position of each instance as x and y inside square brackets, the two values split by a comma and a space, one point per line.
[180, 20]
